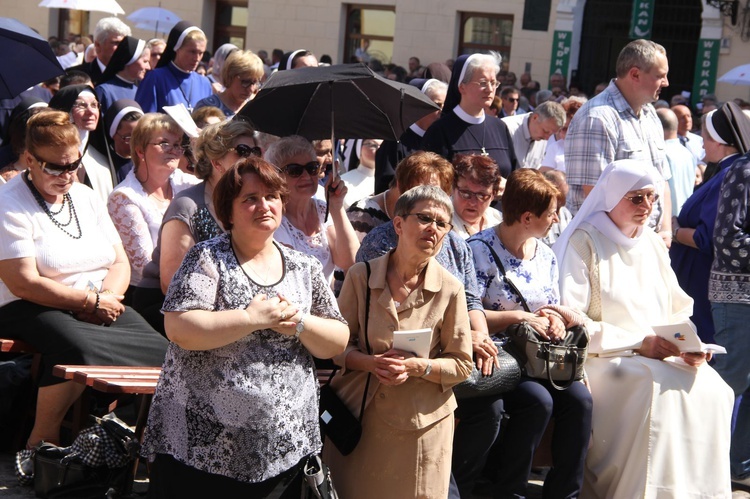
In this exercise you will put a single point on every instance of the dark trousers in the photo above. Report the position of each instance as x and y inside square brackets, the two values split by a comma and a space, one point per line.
[171, 479]
[478, 426]
[529, 408]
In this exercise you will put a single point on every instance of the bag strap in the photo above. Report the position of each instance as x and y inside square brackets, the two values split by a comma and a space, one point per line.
[502, 272]
[367, 344]
[367, 341]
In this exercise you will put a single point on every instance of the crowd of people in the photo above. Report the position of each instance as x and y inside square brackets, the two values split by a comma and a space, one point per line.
[239, 263]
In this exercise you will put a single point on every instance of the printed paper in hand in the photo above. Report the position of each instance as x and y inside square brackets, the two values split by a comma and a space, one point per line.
[686, 338]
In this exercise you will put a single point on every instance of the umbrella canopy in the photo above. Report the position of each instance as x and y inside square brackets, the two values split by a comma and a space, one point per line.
[364, 105]
[108, 6]
[737, 76]
[27, 58]
[154, 19]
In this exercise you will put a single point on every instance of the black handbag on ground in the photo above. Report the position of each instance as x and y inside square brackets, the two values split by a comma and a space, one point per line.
[336, 421]
[98, 464]
[561, 360]
[503, 379]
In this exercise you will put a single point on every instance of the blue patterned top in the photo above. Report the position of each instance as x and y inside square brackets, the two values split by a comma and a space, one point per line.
[536, 278]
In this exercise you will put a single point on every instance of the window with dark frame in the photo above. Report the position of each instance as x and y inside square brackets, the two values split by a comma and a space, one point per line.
[482, 32]
[230, 25]
[369, 32]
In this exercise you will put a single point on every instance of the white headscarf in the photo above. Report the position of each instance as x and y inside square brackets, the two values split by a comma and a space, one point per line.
[619, 178]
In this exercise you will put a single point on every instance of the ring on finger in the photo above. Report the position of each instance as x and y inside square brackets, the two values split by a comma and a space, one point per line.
[283, 316]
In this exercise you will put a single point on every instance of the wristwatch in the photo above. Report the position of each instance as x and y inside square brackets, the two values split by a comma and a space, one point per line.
[299, 327]
[427, 369]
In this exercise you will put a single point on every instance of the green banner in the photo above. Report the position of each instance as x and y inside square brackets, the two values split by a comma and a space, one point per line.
[560, 60]
[706, 62]
[643, 19]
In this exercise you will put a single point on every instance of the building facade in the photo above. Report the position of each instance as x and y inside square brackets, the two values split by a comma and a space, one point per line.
[580, 38]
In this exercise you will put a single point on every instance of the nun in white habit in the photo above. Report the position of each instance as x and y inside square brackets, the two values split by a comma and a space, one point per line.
[661, 420]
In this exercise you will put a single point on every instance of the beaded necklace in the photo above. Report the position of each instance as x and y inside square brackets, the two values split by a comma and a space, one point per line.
[72, 215]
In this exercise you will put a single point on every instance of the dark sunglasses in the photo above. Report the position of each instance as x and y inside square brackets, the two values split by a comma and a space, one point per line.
[512, 99]
[295, 170]
[245, 151]
[56, 170]
[640, 198]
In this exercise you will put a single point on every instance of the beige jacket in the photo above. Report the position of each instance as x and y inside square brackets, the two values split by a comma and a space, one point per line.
[439, 303]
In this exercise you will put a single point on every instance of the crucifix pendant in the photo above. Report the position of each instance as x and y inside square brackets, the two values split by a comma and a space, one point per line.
[484, 152]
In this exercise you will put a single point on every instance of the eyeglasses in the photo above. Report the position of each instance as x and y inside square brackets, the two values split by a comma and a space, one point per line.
[249, 83]
[479, 196]
[55, 169]
[487, 85]
[166, 147]
[295, 170]
[425, 220]
[245, 151]
[640, 198]
[370, 145]
[125, 138]
[83, 106]
[512, 99]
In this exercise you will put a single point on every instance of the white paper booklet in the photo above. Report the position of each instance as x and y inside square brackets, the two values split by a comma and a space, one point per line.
[686, 338]
[416, 341]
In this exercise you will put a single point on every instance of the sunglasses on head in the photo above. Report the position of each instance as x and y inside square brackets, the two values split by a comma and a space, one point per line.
[640, 198]
[56, 170]
[245, 151]
[295, 170]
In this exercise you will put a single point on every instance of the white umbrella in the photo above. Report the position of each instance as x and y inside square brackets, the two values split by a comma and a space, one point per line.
[154, 18]
[737, 76]
[109, 6]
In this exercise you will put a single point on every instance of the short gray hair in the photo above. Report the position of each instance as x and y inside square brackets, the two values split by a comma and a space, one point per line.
[551, 109]
[639, 54]
[433, 86]
[477, 61]
[108, 26]
[286, 148]
[408, 200]
[668, 119]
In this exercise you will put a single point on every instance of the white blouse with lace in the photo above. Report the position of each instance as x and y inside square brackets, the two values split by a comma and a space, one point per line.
[138, 218]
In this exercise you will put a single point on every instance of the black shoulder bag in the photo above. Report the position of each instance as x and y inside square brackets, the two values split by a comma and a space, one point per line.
[542, 359]
[336, 421]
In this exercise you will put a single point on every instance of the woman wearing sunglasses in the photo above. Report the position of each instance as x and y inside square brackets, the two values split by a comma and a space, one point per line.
[242, 73]
[407, 425]
[529, 210]
[191, 217]
[662, 418]
[306, 226]
[139, 202]
[63, 272]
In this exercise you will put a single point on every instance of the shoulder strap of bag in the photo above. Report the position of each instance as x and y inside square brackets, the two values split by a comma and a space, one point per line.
[502, 272]
[367, 341]
[367, 344]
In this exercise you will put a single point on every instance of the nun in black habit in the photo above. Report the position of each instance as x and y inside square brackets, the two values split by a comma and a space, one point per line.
[125, 70]
[463, 126]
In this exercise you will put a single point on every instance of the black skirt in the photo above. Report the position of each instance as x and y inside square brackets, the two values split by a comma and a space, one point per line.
[63, 339]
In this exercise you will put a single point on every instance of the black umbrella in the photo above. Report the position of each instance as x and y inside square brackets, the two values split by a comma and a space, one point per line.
[27, 58]
[348, 101]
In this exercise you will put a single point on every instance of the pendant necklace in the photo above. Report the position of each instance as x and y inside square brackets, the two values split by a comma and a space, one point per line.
[484, 129]
[409, 290]
[72, 215]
